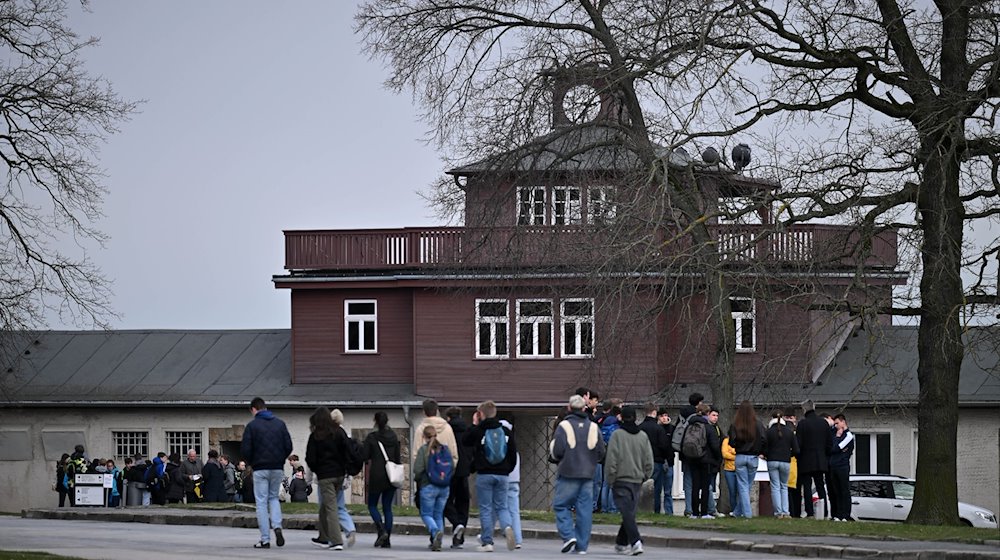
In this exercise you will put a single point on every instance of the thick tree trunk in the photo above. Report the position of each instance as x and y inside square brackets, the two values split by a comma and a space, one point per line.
[939, 343]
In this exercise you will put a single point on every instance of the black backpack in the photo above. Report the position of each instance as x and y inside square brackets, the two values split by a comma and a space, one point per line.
[695, 441]
[355, 457]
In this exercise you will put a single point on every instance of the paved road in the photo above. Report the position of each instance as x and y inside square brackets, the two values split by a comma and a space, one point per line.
[129, 541]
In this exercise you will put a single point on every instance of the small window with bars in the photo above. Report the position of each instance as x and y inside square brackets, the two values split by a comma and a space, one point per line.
[531, 206]
[534, 328]
[491, 328]
[130, 444]
[744, 324]
[361, 326]
[577, 319]
[180, 442]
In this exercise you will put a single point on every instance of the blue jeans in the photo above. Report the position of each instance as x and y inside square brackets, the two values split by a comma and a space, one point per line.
[778, 472]
[746, 469]
[734, 503]
[687, 491]
[432, 499]
[574, 493]
[712, 506]
[266, 485]
[598, 484]
[607, 497]
[491, 492]
[514, 507]
[386, 497]
[663, 482]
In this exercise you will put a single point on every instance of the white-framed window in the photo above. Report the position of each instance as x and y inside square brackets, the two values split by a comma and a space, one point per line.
[600, 205]
[744, 323]
[534, 328]
[872, 453]
[180, 441]
[531, 206]
[577, 319]
[566, 208]
[361, 326]
[492, 328]
[129, 444]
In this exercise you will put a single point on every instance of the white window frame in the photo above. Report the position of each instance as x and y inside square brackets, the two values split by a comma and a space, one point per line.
[534, 322]
[180, 441]
[602, 208]
[738, 318]
[568, 210]
[532, 217]
[577, 320]
[873, 453]
[132, 442]
[495, 324]
[362, 320]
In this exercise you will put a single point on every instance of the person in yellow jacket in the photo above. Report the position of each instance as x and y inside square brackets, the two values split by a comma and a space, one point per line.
[729, 471]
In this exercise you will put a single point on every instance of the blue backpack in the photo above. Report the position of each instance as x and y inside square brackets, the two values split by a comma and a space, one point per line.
[495, 445]
[608, 428]
[440, 467]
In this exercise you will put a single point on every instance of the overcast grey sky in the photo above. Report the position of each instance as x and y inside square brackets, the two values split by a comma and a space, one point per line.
[259, 116]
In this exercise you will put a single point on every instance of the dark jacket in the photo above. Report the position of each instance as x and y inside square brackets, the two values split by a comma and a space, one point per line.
[213, 486]
[753, 446]
[781, 443]
[657, 439]
[175, 490]
[266, 442]
[378, 480]
[473, 438]
[815, 441]
[841, 450]
[326, 457]
[465, 452]
[299, 490]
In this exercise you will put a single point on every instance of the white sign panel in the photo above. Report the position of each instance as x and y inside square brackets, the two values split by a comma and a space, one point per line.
[89, 496]
[109, 480]
[90, 479]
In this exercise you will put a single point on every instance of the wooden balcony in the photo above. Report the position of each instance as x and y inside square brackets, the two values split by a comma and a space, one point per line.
[817, 245]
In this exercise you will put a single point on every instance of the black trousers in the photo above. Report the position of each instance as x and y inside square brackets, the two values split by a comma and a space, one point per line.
[806, 480]
[795, 502]
[701, 479]
[840, 492]
[626, 496]
[456, 509]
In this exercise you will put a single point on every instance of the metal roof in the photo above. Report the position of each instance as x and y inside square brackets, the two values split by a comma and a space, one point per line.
[168, 368]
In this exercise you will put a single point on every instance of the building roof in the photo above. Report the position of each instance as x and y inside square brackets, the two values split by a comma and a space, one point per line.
[169, 368]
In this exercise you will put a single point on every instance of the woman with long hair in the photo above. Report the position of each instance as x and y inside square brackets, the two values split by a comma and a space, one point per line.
[60, 482]
[432, 496]
[746, 436]
[780, 447]
[381, 445]
[325, 452]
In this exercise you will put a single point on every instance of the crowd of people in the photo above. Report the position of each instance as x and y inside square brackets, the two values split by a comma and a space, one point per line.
[603, 450]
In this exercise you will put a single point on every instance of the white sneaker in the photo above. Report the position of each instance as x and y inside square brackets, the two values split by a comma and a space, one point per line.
[352, 537]
[568, 545]
[636, 549]
[485, 547]
[622, 549]
[511, 541]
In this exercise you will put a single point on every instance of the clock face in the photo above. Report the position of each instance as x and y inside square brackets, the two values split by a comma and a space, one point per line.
[581, 103]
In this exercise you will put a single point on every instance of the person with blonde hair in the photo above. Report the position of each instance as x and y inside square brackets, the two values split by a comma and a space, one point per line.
[325, 454]
[432, 471]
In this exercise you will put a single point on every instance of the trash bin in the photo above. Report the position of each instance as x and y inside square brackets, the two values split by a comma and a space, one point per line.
[133, 494]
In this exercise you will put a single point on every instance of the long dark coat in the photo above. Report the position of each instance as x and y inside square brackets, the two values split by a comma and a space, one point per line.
[378, 480]
[815, 441]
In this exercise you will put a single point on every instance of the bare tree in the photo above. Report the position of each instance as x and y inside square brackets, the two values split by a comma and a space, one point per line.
[55, 115]
[894, 107]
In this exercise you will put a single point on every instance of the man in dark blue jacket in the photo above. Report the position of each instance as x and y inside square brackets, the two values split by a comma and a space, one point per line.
[840, 469]
[266, 446]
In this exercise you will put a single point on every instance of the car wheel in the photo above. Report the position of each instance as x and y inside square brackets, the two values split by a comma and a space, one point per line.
[966, 522]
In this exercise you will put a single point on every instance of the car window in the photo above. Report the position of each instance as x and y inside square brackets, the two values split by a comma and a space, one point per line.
[903, 490]
[868, 489]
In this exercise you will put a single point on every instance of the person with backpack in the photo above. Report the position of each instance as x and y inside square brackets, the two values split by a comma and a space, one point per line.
[628, 464]
[381, 446]
[265, 447]
[156, 479]
[77, 464]
[694, 399]
[700, 449]
[456, 509]
[175, 490]
[432, 471]
[494, 455]
[609, 424]
[746, 436]
[325, 455]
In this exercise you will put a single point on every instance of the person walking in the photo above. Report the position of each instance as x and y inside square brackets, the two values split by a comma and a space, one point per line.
[494, 455]
[746, 435]
[347, 527]
[432, 472]
[325, 454]
[577, 448]
[514, 494]
[381, 445]
[628, 464]
[456, 509]
[265, 446]
[781, 446]
[815, 441]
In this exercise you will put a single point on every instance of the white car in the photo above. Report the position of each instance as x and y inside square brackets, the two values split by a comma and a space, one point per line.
[887, 497]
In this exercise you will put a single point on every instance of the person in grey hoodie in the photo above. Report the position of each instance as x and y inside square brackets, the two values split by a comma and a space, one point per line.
[577, 447]
[628, 464]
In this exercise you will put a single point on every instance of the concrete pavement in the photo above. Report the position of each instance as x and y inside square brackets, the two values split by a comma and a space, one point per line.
[655, 539]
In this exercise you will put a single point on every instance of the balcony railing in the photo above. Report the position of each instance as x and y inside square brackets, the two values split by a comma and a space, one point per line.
[457, 247]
